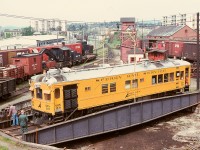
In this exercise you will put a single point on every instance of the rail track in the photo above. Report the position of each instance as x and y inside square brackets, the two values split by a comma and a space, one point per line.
[15, 131]
[19, 91]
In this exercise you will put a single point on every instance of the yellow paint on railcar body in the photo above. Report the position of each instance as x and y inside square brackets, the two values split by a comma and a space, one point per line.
[100, 91]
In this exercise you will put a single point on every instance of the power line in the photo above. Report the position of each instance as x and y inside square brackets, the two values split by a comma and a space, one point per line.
[34, 18]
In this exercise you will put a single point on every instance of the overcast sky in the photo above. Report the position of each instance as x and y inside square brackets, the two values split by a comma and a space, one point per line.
[93, 10]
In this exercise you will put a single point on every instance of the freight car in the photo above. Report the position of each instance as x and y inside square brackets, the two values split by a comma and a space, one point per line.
[22, 63]
[78, 91]
[81, 47]
[7, 86]
[180, 49]
[6, 55]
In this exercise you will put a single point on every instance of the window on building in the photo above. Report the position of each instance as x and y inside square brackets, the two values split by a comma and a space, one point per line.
[34, 59]
[87, 89]
[135, 83]
[47, 96]
[17, 60]
[39, 93]
[160, 78]
[182, 75]
[57, 93]
[166, 76]
[104, 88]
[128, 84]
[113, 87]
[171, 76]
[142, 80]
[132, 59]
[154, 79]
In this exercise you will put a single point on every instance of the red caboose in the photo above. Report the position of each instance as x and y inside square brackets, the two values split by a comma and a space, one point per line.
[32, 63]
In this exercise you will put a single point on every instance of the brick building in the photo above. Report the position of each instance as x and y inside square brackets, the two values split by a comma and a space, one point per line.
[171, 33]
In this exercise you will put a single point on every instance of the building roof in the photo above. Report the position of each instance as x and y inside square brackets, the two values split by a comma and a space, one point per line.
[25, 41]
[165, 30]
[157, 50]
[137, 51]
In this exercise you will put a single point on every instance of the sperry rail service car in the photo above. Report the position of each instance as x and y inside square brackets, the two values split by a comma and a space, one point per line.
[62, 91]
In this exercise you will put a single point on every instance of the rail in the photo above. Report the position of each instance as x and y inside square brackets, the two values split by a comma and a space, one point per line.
[113, 119]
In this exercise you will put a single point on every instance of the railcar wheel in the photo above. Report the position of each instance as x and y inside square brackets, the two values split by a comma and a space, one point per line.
[19, 81]
[5, 97]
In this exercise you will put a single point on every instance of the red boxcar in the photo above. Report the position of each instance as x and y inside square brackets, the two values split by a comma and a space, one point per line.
[32, 63]
[174, 48]
[190, 51]
[76, 47]
[3, 58]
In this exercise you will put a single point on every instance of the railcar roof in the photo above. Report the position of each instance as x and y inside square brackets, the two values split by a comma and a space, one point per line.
[55, 76]
[121, 69]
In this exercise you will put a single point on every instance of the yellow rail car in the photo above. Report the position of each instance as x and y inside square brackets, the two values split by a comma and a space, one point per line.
[61, 91]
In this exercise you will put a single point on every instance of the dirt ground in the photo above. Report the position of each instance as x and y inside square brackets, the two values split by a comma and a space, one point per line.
[180, 131]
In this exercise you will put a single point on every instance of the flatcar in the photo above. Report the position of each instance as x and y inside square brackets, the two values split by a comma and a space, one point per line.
[68, 91]
[7, 86]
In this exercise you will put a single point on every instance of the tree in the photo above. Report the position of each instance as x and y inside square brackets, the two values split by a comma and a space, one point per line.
[27, 31]
[8, 35]
[58, 28]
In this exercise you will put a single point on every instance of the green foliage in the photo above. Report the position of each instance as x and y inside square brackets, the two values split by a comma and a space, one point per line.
[3, 148]
[8, 35]
[27, 31]
[114, 41]
[7, 140]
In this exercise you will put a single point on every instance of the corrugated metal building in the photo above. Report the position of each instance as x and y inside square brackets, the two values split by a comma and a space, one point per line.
[28, 41]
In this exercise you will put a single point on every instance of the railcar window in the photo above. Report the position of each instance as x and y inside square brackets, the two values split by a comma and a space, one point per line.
[57, 93]
[104, 88]
[47, 96]
[160, 78]
[182, 75]
[128, 84]
[171, 76]
[87, 88]
[154, 79]
[177, 73]
[166, 77]
[32, 93]
[113, 87]
[39, 93]
[135, 83]
[186, 71]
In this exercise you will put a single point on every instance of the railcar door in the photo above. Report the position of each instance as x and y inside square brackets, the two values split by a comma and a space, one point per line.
[187, 79]
[177, 76]
[70, 97]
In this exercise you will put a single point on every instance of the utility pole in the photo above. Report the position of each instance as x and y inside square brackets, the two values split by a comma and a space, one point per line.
[57, 37]
[142, 34]
[198, 51]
